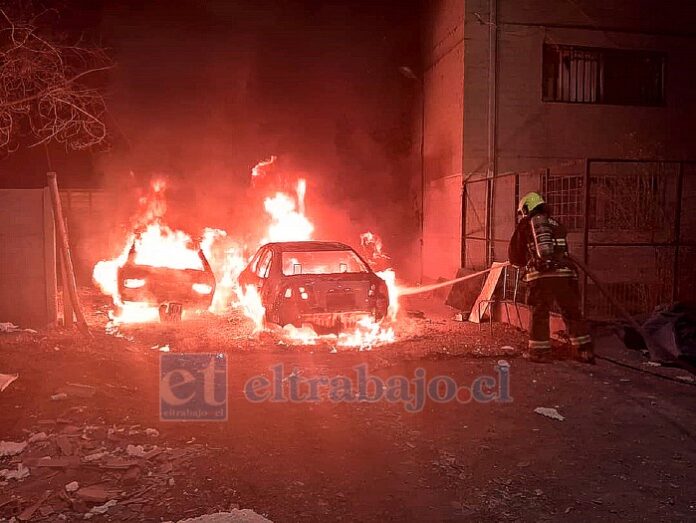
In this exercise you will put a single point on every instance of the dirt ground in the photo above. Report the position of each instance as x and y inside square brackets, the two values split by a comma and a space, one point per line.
[624, 450]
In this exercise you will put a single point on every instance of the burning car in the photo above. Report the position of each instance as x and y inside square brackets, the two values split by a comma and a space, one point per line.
[324, 284]
[188, 286]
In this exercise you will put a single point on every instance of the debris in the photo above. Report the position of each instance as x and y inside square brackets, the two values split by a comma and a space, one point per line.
[64, 445]
[47, 461]
[38, 437]
[153, 433]
[59, 397]
[458, 317]
[28, 512]
[135, 451]
[11, 448]
[73, 486]
[549, 413]
[118, 464]
[7, 327]
[131, 476]
[688, 379]
[96, 494]
[100, 509]
[234, 516]
[95, 456]
[21, 473]
[78, 390]
[6, 379]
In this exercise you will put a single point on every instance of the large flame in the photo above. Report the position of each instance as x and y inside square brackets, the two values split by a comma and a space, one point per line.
[156, 244]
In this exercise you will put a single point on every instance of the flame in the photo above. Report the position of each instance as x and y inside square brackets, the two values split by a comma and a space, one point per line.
[160, 246]
[389, 277]
[249, 300]
[156, 244]
[288, 222]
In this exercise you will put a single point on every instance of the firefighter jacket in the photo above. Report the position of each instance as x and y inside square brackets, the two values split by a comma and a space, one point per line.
[539, 244]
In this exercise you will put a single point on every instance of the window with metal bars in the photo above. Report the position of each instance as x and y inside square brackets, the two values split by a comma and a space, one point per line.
[564, 194]
[603, 76]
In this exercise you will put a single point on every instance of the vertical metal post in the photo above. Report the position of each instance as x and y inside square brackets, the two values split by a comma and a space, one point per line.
[492, 125]
[586, 234]
[677, 233]
[462, 253]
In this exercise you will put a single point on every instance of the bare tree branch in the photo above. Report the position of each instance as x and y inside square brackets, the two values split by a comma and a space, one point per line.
[47, 90]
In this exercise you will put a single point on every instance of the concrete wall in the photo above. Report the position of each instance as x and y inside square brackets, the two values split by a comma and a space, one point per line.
[27, 258]
[443, 81]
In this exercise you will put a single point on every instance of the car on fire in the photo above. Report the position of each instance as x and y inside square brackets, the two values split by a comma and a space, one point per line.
[185, 288]
[324, 284]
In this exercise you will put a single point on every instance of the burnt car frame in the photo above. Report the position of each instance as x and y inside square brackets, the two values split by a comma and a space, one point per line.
[191, 289]
[324, 284]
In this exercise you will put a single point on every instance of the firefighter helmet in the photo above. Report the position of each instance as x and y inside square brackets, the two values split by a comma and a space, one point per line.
[529, 202]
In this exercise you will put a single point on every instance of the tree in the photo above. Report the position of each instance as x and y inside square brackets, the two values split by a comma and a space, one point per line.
[48, 87]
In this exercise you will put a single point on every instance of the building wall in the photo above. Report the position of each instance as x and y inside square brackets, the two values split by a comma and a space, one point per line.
[443, 82]
[514, 142]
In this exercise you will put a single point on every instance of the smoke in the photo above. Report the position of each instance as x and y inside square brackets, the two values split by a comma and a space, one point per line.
[203, 91]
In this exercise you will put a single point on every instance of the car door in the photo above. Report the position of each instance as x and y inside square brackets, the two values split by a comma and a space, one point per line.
[248, 275]
[263, 268]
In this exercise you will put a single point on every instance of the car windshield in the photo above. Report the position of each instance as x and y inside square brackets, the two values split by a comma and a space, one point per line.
[322, 262]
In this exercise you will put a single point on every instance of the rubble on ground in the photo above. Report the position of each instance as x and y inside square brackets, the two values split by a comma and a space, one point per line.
[72, 472]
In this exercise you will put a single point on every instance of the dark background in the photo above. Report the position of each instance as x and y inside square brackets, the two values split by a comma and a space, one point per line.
[202, 91]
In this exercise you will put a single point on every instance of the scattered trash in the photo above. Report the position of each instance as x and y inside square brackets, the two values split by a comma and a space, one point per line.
[234, 516]
[6, 379]
[21, 473]
[688, 379]
[652, 364]
[153, 433]
[161, 348]
[59, 397]
[96, 494]
[135, 451]
[100, 509]
[549, 413]
[7, 327]
[11, 448]
[73, 486]
[458, 317]
[95, 456]
[28, 512]
[672, 333]
[38, 437]
[78, 390]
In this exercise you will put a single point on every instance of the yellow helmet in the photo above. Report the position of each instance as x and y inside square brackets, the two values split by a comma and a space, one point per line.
[529, 202]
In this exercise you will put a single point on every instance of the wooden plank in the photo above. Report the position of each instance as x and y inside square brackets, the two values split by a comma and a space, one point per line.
[487, 290]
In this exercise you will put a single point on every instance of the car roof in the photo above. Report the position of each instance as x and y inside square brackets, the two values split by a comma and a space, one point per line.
[308, 246]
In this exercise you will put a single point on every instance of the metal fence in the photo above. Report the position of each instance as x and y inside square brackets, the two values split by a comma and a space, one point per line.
[628, 220]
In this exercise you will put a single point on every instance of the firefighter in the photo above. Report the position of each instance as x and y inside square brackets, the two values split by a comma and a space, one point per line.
[539, 244]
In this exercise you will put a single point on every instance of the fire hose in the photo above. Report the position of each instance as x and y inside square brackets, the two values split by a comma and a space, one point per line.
[408, 291]
[579, 265]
